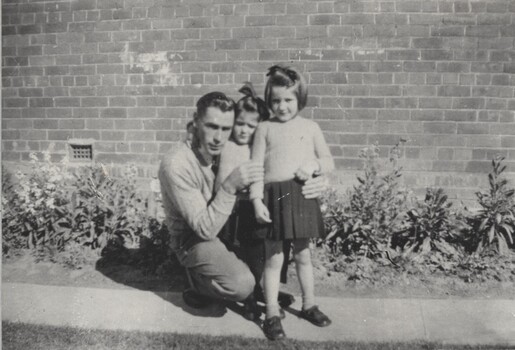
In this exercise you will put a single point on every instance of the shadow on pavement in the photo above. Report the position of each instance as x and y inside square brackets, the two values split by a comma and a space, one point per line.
[149, 268]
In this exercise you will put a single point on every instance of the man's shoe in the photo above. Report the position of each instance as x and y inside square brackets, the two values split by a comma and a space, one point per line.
[196, 300]
[273, 328]
[315, 316]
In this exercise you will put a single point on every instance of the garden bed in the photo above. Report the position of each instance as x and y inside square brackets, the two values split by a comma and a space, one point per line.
[381, 281]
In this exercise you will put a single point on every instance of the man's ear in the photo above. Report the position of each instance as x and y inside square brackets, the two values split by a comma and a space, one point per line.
[195, 125]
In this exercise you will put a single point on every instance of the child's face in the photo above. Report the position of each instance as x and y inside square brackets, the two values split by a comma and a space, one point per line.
[284, 102]
[244, 127]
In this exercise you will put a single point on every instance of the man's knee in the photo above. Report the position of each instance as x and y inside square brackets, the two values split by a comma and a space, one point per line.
[242, 285]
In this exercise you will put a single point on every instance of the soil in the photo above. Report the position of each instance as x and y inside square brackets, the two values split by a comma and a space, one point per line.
[94, 274]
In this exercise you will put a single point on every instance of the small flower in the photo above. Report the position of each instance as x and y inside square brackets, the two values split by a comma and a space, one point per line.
[50, 203]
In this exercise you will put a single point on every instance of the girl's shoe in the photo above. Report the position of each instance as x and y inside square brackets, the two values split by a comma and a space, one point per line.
[315, 316]
[273, 328]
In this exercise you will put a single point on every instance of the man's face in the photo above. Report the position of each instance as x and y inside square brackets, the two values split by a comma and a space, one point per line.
[214, 129]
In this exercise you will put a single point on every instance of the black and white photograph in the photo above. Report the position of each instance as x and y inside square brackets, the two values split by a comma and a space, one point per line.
[258, 174]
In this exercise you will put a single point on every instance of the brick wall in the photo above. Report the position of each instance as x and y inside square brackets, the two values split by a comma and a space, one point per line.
[127, 73]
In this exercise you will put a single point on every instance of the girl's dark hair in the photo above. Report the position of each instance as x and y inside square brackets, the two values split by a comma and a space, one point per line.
[251, 103]
[285, 76]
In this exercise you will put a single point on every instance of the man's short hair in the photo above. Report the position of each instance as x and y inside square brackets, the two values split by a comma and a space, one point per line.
[214, 99]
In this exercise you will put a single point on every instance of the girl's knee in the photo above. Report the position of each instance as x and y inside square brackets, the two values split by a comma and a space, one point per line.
[303, 256]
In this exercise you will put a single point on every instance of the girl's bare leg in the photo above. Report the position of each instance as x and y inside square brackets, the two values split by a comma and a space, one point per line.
[272, 276]
[304, 267]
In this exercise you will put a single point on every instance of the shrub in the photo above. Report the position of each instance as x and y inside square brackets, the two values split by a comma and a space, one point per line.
[493, 225]
[365, 225]
[430, 226]
[103, 208]
[35, 208]
[55, 210]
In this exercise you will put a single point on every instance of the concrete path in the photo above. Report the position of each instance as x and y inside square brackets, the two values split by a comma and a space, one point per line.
[452, 321]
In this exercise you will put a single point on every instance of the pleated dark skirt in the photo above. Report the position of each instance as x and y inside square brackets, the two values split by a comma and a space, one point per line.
[293, 216]
[240, 235]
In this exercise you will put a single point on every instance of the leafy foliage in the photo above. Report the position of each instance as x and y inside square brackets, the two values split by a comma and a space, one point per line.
[364, 226]
[430, 225]
[55, 210]
[34, 209]
[495, 222]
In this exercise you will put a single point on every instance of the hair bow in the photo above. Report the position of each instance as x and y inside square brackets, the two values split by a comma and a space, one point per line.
[248, 90]
[286, 70]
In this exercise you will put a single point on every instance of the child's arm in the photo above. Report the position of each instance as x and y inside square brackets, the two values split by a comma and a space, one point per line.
[225, 166]
[257, 188]
[322, 164]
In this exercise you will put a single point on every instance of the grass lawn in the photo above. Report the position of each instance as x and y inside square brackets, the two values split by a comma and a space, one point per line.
[26, 336]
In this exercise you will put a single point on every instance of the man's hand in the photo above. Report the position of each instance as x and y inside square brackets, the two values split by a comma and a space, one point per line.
[314, 187]
[243, 176]
[307, 170]
[261, 211]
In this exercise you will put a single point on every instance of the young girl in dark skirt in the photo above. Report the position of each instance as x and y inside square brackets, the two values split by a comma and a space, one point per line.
[292, 150]
[240, 231]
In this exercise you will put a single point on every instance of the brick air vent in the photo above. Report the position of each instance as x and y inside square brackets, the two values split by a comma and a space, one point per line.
[81, 153]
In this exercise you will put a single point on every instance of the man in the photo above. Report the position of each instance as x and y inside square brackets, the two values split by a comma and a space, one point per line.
[195, 214]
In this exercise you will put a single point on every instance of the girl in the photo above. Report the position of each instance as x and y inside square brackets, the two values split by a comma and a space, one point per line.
[239, 231]
[292, 150]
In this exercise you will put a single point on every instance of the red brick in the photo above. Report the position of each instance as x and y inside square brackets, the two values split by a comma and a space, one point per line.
[460, 116]
[71, 124]
[94, 102]
[113, 113]
[435, 102]
[16, 124]
[273, 55]
[150, 101]
[168, 136]
[488, 31]
[140, 136]
[468, 103]
[99, 124]
[353, 66]
[86, 134]
[240, 33]
[472, 128]
[143, 147]
[113, 135]
[136, 24]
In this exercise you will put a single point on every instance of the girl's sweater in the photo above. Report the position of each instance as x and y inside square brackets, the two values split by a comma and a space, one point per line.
[285, 146]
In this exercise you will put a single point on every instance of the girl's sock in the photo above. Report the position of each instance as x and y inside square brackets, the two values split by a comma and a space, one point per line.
[272, 310]
[308, 301]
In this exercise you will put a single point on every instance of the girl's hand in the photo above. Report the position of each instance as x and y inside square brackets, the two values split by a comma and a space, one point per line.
[307, 170]
[261, 212]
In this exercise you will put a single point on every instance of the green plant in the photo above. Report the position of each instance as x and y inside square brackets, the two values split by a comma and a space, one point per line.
[34, 209]
[365, 225]
[495, 222]
[104, 207]
[53, 210]
[430, 225]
